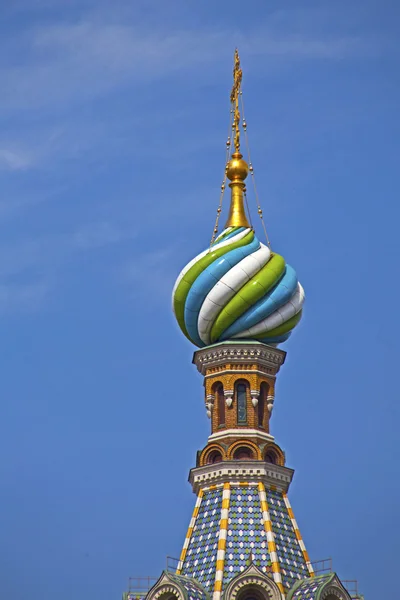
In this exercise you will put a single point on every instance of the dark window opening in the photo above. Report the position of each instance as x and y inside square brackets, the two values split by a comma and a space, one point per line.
[214, 457]
[262, 402]
[220, 405]
[241, 403]
[270, 457]
[243, 453]
[253, 592]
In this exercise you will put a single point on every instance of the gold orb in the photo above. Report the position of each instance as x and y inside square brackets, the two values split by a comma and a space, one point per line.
[237, 168]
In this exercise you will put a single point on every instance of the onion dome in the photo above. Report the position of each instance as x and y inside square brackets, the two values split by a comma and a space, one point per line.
[238, 288]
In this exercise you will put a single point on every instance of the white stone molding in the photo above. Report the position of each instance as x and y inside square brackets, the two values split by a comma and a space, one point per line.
[254, 578]
[254, 397]
[209, 404]
[270, 403]
[234, 471]
[240, 433]
[239, 353]
[228, 397]
[165, 588]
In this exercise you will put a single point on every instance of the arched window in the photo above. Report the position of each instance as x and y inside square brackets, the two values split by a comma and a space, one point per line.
[270, 457]
[241, 402]
[243, 453]
[253, 592]
[214, 457]
[219, 392]
[262, 402]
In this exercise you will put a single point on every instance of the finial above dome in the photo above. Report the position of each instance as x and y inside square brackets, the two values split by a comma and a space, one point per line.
[237, 168]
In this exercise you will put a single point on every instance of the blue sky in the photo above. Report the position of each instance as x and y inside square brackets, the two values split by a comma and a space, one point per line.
[113, 125]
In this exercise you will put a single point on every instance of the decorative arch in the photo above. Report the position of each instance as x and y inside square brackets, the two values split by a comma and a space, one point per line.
[273, 454]
[244, 444]
[167, 592]
[334, 592]
[165, 589]
[207, 453]
[252, 583]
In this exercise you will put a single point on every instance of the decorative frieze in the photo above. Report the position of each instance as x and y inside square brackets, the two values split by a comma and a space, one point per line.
[239, 353]
[251, 471]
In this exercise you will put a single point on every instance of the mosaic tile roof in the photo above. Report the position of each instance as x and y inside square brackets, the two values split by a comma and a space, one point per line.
[201, 557]
[290, 557]
[246, 537]
[193, 590]
[273, 546]
[310, 589]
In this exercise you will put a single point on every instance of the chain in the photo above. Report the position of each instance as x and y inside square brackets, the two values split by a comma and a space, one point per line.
[248, 209]
[223, 184]
[251, 169]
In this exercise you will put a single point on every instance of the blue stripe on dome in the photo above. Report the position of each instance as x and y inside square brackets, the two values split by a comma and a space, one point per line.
[277, 297]
[207, 280]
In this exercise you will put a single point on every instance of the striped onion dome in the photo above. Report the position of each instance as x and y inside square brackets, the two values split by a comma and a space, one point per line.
[237, 290]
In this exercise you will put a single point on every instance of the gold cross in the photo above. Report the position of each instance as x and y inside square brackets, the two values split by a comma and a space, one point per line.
[237, 81]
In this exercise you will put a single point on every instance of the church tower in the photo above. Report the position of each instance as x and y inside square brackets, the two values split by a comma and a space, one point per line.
[237, 301]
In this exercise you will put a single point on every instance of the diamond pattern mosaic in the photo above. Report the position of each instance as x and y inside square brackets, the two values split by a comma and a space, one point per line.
[310, 588]
[246, 536]
[193, 589]
[201, 556]
[290, 557]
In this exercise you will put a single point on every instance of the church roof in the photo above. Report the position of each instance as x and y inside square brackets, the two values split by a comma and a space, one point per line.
[259, 528]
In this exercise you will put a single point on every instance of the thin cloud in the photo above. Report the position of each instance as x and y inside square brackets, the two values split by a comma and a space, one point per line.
[11, 160]
[71, 62]
[28, 266]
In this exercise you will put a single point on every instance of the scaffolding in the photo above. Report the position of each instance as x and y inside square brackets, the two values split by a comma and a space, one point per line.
[139, 586]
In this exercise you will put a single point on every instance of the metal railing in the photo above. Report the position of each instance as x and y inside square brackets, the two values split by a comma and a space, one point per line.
[322, 566]
[172, 564]
[140, 585]
[351, 586]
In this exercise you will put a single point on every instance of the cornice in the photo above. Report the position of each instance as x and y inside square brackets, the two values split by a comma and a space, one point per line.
[240, 433]
[233, 471]
[238, 352]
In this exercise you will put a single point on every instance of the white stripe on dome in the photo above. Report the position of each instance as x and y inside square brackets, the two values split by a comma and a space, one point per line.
[224, 232]
[280, 316]
[190, 264]
[227, 287]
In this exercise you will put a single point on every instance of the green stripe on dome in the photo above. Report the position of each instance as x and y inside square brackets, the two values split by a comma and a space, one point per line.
[253, 290]
[281, 329]
[190, 277]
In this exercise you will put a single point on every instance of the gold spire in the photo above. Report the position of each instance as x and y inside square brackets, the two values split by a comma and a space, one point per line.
[237, 168]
